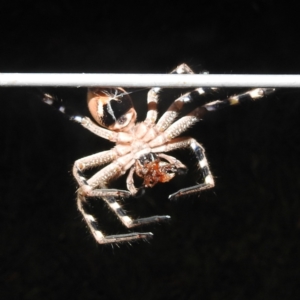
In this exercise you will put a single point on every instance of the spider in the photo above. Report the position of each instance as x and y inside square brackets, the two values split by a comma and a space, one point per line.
[140, 149]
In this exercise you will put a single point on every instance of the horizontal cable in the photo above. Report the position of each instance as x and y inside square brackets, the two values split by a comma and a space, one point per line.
[147, 80]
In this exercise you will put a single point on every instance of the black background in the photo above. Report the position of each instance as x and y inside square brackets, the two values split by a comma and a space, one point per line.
[237, 241]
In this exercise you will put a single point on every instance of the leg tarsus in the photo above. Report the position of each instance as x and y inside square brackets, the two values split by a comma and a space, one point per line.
[128, 237]
[98, 193]
[267, 91]
[148, 220]
[99, 236]
[190, 190]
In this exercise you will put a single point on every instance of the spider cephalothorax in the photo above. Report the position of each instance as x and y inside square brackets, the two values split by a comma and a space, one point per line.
[140, 149]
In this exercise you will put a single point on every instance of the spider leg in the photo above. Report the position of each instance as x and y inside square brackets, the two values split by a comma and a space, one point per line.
[83, 121]
[130, 182]
[193, 117]
[102, 179]
[249, 96]
[153, 94]
[96, 186]
[113, 136]
[202, 164]
[92, 161]
[126, 220]
[88, 124]
[172, 113]
[99, 236]
[134, 191]
[86, 189]
[181, 168]
[152, 100]
[165, 141]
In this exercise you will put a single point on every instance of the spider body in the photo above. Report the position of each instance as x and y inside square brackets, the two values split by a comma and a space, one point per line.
[140, 149]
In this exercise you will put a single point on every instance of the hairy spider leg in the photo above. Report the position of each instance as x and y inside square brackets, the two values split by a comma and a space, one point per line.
[85, 122]
[172, 160]
[86, 188]
[185, 122]
[174, 109]
[101, 179]
[153, 94]
[166, 142]
[57, 104]
[99, 236]
[202, 164]
[130, 182]
[152, 100]
[89, 188]
[108, 195]
[249, 96]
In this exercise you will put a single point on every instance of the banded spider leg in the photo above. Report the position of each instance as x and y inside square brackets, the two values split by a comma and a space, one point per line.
[168, 142]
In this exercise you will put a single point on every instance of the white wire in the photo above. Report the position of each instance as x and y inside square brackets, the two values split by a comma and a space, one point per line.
[147, 80]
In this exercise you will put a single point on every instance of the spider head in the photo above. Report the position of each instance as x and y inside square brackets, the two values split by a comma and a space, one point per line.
[153, 170]
[111, 108]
